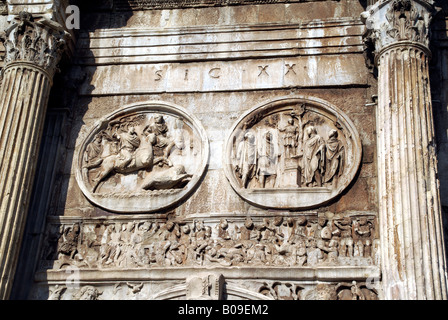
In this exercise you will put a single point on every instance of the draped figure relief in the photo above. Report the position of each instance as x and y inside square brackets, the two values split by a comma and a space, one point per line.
[292, 153]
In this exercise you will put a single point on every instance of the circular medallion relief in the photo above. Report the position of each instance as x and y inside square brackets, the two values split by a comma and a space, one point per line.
[292, 153]
[142, 158]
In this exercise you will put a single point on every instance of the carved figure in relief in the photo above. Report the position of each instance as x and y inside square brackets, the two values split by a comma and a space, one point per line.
[178, 136]
[354, 293]
[68, 243]
[314, 254]
[57, 293]
[301, 253]
[92, 155]
[302, 241]
[174, 177]
[137, 144]
[267, 159]
[358, 250]
[133, 156]
[247, 158]
[110, 245]
[292, 138]
[346, 244]
[313, 157]
[334, 158]
[87, 293]
[160, 129]
[222, 230]
[129, 142]
[362, 229]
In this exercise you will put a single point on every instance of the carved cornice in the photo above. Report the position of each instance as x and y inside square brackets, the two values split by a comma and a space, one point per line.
[398, 21]
[39, 42]
[177, 4]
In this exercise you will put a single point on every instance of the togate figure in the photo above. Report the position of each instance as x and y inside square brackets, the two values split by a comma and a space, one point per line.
[292, 153]
[313, 157]
[334, 158]
[247, 157]
[267, 159]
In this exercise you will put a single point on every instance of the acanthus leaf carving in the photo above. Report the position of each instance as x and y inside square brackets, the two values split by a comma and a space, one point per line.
[37, 41]
[396, 21]
[405, 22]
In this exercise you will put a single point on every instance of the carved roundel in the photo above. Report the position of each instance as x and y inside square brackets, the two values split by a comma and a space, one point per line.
[142, 158]
[292, 153]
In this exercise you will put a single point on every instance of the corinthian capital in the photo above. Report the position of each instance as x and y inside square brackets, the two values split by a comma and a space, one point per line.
[40, 42]
[393, 21]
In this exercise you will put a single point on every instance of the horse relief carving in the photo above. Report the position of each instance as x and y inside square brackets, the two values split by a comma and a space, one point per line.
[148, 154]
[292, 153]
[300, 241]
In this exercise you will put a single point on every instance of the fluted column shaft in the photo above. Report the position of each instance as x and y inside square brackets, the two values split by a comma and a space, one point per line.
[412, 247]
[23, 105]
[410, 212]
[33, 50]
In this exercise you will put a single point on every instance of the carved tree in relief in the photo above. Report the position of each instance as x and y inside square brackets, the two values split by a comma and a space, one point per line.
[299, 152]
[270, 149]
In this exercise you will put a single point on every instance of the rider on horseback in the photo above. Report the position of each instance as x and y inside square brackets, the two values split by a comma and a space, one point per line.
[129, 142]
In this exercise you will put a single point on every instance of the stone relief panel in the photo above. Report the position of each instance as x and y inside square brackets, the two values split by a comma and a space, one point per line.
[293, 241]
[213, 287]
[120, 290]
[292, 153]
[294, 290]
[142, 158]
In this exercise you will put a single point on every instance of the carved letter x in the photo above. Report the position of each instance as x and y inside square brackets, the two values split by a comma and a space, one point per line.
[263, 70]
[290, 68]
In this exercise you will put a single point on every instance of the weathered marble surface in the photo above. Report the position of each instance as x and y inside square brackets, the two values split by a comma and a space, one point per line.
[33, 50]
[217, 64]
[412, 244]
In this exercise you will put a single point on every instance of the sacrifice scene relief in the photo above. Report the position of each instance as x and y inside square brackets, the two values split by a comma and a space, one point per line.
[292, 155]
[291, 149]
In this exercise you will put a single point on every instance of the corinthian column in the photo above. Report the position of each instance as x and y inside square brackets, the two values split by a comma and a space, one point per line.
[33, 49]
[412, 248]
